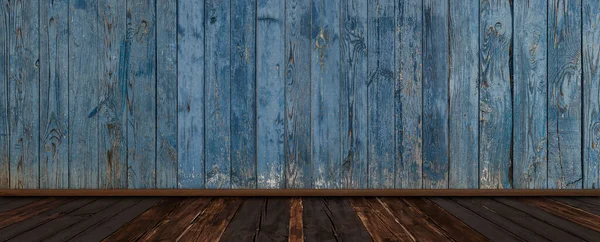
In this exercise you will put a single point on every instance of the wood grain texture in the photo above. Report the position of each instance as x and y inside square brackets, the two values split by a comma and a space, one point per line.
[296, 226]
[84, 57]
[298, 93]
[564, 94]
[190, 94]
[54, 94]
[243, 95]
[495, 97]
[213, 222]
[575, 215]
[591, 95]
[141, 94]
[176, 221]
[413, 220]
[112, 111]
[381, 225]
[353, 97]
[464, 94]
[530, 83]
[217, 94]
[435, 94]
[325, 94]
[270, 93]
[409, 94]
[166, 94]
[5, 143]
[380, 93]
[246, 222]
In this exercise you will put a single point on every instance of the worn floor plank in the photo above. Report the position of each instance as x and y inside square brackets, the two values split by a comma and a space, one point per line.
[331, 219]
[573, 214]
[296, 226]
[27, 211]
[595, 209]
[414, 221]
[246, 222]
[16, 203]
[213, 222]
[173, 224]
[380, 225]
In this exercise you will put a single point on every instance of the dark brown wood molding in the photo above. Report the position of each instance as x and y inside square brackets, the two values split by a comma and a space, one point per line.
[300, 192]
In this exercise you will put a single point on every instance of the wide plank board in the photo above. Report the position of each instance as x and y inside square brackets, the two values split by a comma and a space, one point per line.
[591, 94]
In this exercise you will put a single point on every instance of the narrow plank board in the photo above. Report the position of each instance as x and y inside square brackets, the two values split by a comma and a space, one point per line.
[409, 94]
[353, 97]
[414, 221]
[166, 94]
[464, 94]
[112, 133]
[435, 94]
[215, 218]
[495, 96]
[573, 202]
[243, 94]
[54, 94]
[109, 222]
[247, 221]
[296, 226]
[146, 222]
[494, 217]
[30, 210]
[523, 219]
[590, 200]
[380, 93]
[85, 42]
[549, 218]
[573, 214]
[564, 95]
[175, 222]
[68, 221]
[141, 94]
[530, 95]
[4, 93]
[380, 225]
[23, 87]
[297, 93]
[17, 203]
[483, 226]
[190, 94]
[270, 93]
[591, 95]
[217, 94]
[12, 231]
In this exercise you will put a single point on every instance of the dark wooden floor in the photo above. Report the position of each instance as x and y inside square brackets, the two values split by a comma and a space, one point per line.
[297, 219]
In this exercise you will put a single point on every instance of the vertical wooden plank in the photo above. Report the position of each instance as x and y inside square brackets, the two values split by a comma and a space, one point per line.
[380, 93]
[190, 94]
[564, 95]
[325, 94]
[297, 93]
[529, 90]
[84, 55]
[243, 94]
[270, 93]
[141, 94]
[112, 134]
[495, 94]
[591, 87]
[54, 94]
[435, 94]
[353, 97]
[408, 94]
[166, 94]
[217, 94]
[4, 95]
[464, 94]
[24, 93]
[591, 54]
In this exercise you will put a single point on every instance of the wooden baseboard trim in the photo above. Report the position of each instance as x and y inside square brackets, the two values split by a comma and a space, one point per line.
[299, 192]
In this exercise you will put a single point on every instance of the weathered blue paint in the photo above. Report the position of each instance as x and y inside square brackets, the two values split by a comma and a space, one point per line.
[190, 94]
[564, 95]
[297, 93]
[141, 94]
[591, 95]
[409, 94]
[464, 94]
[270, 93]
[217, 92]
[435, 94]
[243, 95]
[530, 163]
[112, 133]
[353, 97]
[84, 58]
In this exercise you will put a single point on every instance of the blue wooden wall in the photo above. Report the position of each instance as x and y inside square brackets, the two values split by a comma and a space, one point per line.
[142, 94]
